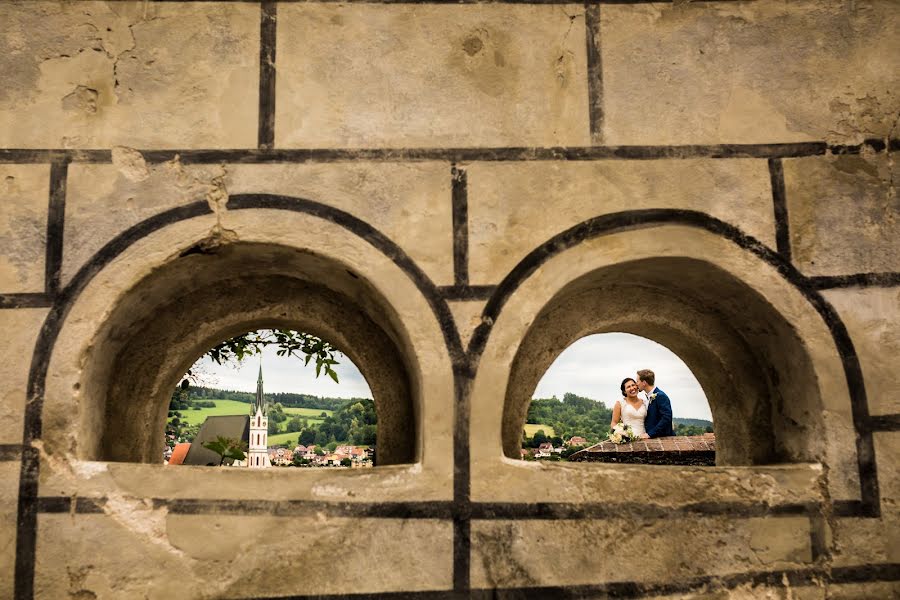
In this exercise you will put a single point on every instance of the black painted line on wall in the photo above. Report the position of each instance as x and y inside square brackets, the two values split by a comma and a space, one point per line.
[818, 537]
[460, 209]
[452, 155]
[56, 214]
[288, 508]
[863, 280]
[557, 511]
[466, 292]
[614, 222]
[38, 300]
[779, 201]
[884, 423]
[10, 452]
[444, 510]
[594, 71]
[26, 524]
[69, 505]
[268, 26]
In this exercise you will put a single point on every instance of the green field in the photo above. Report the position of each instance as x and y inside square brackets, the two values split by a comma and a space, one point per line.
[532, 428]
[284, 439]
[233, 407]
[307, 412]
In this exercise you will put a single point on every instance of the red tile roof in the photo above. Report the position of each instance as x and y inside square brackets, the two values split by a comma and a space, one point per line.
[179, 452]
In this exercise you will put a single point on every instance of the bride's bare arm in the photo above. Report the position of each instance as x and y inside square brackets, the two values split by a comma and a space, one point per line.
[617, 414]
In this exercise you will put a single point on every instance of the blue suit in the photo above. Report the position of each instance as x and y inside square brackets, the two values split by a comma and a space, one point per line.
[659, 416]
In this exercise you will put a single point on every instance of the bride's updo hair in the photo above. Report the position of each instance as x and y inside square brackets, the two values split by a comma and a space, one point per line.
[622, 387]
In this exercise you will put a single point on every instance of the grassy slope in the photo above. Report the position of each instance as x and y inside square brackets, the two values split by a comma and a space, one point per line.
[532, 428]
[233, 407]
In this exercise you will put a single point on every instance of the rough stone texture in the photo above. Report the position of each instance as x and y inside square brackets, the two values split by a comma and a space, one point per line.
[508, 206]
[139, 74]
[9, 475]
[873, 318]
[123, 78]
[20, 330]
[760, 72]
[209, 556]
[104, 200]
[844, 213]
[406, 202]
[506, 555]
[496, 75]
[856, 591]
[23, 227]
[467, 316]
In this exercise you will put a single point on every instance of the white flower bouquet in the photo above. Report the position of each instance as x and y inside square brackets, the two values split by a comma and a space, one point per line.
[622, 434]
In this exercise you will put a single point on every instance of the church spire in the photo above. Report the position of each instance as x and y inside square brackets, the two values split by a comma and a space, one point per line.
[260, 403]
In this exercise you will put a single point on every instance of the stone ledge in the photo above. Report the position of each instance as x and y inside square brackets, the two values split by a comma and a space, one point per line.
[675, 450]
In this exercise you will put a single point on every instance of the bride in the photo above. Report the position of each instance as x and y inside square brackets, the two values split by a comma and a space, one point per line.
[630, 410]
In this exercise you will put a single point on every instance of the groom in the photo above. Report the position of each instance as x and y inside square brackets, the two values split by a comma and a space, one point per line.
[659, 411]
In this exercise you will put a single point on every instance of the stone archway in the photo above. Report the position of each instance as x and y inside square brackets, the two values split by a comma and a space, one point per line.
[168, 319]
[748, 359]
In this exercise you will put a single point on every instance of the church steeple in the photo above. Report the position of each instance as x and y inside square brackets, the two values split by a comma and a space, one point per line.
[258, 455]
[260, 404]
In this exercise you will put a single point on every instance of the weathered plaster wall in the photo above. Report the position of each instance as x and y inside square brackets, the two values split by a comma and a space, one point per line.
[463, 171]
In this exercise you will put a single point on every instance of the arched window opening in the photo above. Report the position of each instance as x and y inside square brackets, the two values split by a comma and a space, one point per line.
[272, 399]
[754, 369]
[179, 311]
[574, 406]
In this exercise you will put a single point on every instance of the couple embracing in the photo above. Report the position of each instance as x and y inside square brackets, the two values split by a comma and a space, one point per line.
[647, 419]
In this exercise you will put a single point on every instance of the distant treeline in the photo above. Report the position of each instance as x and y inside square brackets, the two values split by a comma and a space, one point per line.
[577, 415]
[284, 398]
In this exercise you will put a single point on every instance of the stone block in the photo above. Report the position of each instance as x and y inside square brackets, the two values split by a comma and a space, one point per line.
[20, 328]
[408, 202]
[24, 196]
[157, 75]
[597, 551]
[134, 550]
[9, 493]
[760, 72]
[510, 214]
[103, 200]
[867, 541]
[843, 213]
[859, 591]
[410, 76]
[872, 316]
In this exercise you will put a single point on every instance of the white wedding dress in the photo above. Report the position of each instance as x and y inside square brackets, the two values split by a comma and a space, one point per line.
[634, 417]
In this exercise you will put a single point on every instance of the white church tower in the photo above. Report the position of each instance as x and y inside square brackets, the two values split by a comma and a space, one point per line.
[258, 454]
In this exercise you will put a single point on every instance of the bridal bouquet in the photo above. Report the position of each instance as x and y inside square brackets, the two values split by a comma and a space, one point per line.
[622, 434]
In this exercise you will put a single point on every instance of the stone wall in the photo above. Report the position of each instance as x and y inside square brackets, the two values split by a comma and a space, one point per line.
[459, 190]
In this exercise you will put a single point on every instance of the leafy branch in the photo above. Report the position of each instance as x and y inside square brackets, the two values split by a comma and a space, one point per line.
[227, 448]
[303, 346]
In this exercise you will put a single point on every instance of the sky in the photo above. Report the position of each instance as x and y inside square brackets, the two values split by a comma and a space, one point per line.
[284, 374]
[593, 367]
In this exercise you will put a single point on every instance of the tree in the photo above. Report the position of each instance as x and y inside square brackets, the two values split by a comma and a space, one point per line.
[332, 446]
[227, 448]
[307, 437]
[345, 462]
[301, 345]
[539, 438]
